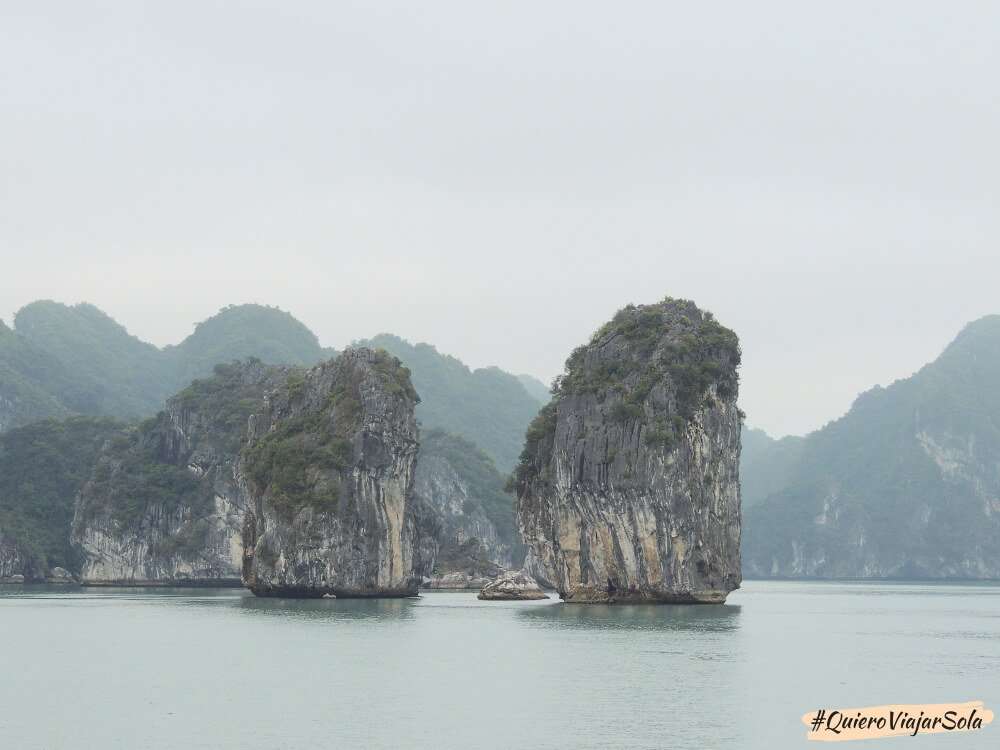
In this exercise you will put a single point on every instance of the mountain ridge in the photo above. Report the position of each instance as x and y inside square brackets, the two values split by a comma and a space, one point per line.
[59, 360]
[905, 484]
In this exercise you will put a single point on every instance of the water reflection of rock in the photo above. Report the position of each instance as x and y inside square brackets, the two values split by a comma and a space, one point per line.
[678, 617]
[388, 610]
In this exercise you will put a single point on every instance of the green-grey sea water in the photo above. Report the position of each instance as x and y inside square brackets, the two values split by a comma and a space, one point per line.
[179, 669]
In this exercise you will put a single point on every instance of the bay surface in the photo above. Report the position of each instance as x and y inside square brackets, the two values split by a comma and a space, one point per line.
[190, 668]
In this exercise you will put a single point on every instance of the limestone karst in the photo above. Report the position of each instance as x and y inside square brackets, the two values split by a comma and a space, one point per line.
[628, 486]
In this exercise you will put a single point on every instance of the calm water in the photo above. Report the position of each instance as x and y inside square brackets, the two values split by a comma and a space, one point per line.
[134, 668]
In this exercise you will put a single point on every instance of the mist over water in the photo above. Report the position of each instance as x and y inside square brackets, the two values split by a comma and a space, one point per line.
[169, 668]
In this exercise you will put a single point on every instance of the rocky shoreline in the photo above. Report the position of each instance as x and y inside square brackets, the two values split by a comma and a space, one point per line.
[193, 583]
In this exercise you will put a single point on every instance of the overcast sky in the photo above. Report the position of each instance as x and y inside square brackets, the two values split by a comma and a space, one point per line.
[498, 178]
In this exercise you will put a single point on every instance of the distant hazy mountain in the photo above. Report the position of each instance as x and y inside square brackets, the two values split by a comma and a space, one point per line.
[906, 484]
[61, 360]
[488, 406]
[535, 387]
[765, 464]
[240, 331]
[112, 373]
[29, 380]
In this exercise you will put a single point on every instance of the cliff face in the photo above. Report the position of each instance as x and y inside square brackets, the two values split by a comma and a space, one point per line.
[328, 471]
[628, 486]
[12, 563]
[162, 506]
[905, 485]
[474, 515]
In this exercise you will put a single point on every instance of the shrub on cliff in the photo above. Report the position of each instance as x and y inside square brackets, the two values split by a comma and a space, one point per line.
[673, 343]
[291, 462]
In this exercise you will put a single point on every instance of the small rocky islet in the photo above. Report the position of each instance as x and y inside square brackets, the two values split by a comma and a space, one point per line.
[512, 586]
[312, 482]
[628, 486]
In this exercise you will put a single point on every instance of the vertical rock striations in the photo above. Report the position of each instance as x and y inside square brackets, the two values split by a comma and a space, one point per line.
[162, 506]
[12, 563]
[628, 486]
[328, 472]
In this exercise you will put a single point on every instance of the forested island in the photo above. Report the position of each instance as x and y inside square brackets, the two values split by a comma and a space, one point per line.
[122, 462]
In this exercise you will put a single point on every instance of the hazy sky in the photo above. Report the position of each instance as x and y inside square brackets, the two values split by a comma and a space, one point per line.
[498, 178]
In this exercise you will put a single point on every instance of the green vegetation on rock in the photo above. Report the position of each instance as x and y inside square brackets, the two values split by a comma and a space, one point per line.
[293, 462]
[227, 400]
[147, 465]
[134, 475]
[285, 461]
[672, 344]
[42, 467]
[538, 441]
[699, 351]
